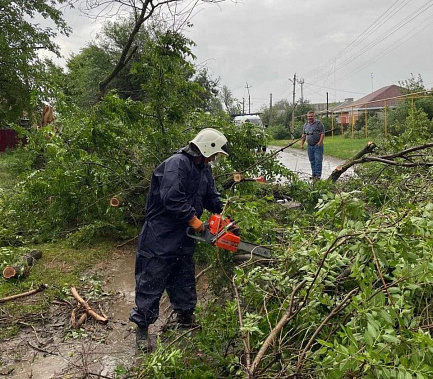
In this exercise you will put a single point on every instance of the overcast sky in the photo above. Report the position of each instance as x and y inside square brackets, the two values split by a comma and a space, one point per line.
[345, 48]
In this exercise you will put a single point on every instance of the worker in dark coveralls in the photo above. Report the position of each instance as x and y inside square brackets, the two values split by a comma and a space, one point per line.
[182, 186]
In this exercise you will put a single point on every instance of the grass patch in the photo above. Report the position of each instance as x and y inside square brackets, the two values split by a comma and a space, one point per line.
[337, 146]
[7, 178]
[60, 267]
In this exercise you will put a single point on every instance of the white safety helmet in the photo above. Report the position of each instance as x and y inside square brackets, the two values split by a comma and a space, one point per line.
[210, 141]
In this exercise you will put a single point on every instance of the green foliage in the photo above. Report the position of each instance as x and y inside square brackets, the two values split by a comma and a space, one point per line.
[21, 69]
[231, 105]
[98, 59]
[412, 84]
[279, 132]
[166, 76]
[351, 268]
[159, 73]
[66, 180]
[85, 71]
[281, 114]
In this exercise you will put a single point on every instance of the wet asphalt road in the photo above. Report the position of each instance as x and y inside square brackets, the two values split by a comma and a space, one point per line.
[297, 161]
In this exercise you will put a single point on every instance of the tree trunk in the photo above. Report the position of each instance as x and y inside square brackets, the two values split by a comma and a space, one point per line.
[341, 169]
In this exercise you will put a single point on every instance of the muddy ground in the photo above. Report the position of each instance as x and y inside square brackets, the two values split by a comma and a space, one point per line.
[54, 350]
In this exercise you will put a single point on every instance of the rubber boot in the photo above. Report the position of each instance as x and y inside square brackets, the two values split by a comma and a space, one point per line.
[186, 321]
[141, 335]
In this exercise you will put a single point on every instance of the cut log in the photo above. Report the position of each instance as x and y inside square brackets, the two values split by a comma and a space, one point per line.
[33, 256]
[21, 270]
[16, 271]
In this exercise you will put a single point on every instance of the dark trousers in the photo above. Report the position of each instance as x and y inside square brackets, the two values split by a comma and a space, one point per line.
[153, 275]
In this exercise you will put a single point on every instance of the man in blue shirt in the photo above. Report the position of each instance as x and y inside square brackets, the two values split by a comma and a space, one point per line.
[314, 134]
[181, 188]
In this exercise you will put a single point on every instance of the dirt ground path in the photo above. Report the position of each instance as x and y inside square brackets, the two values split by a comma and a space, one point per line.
[45, 353]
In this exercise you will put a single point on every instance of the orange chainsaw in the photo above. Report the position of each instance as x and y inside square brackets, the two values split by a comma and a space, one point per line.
[224, 233]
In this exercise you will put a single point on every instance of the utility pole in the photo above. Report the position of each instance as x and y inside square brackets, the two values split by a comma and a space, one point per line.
[371, 82]
[270, 109]
[301, 82]
[327, 105]
[249, 99]
[292, 129]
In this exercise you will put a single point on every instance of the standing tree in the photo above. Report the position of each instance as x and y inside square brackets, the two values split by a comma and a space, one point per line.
[98, 59]
[178, 11]
[21, 38]
[160, 74]
[208, 99]
[231, 104]
[412, 84]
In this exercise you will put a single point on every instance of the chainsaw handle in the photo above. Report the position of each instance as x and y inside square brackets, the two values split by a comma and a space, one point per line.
[205, 236]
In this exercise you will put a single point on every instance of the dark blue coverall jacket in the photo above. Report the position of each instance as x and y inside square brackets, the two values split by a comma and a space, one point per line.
[179, 190]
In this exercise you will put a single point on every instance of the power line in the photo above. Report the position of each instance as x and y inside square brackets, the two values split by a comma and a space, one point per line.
[389, 32]
[396, 44]
[376, 41]
[332, 88]
[348, 47]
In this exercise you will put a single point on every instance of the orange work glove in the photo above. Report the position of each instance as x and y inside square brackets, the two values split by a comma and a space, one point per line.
[196, 224]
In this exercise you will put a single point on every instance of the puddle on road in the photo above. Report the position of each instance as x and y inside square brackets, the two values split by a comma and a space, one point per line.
[106, 347]
[121, 281]
[296, 160]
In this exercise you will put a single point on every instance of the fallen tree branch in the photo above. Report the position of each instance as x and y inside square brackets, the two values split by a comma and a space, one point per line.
[386, 159]
[335, 311]
[81, 320]
[245, 335]
[272, 155]
[341, 169]
[287, 316]
[87, 307]
[41, 350]
[28, 293]
[379, 271]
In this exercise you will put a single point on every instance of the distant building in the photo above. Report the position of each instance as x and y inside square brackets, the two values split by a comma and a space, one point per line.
[349, 111]
[319, 107]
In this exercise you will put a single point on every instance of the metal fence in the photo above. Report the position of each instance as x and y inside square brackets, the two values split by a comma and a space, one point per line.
[347, 116]
[8, 139]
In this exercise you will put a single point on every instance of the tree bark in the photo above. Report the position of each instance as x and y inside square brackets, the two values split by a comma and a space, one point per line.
[87, 307]
[341, 169]
[407, 159]
[28, 293]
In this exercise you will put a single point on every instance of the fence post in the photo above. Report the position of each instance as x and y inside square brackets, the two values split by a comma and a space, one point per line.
[386, 119]
[365, 116]
[332, 124]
